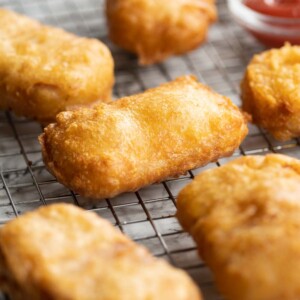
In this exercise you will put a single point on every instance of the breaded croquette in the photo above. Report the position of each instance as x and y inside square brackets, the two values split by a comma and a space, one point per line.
[63, 252]
[138, 140]
[45, 70]
[271, 91]
[245, 219]
[155, 29]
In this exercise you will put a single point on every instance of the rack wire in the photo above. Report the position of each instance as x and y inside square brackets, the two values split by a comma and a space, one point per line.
[147, 216]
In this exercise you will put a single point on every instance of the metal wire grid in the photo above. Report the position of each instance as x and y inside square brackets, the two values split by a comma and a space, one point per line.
[147, 216]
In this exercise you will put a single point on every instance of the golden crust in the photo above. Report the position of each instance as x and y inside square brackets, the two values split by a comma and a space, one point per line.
[271, 91]
[141, 139]
[245, 218]
[62, 252]
[157, 29]
[45, 70]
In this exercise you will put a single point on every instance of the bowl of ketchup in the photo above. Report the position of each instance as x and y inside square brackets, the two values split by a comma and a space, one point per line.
[272, 22]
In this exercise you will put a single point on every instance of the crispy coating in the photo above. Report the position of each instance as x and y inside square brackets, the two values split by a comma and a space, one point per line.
[141, 139]
[45, 70]
[62, 252]
[156, 29]
[271, 91]
[245, 218]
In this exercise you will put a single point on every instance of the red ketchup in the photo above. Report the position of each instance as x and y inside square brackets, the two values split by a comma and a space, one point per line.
[288, 9]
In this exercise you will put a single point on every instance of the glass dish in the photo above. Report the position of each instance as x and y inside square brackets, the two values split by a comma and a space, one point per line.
[270, 30]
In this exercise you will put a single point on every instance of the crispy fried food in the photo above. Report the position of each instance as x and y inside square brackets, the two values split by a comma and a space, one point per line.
[155, 29]
[141, 139]
[271, 91]
[44, 70]
[62, 252]
[245, 218]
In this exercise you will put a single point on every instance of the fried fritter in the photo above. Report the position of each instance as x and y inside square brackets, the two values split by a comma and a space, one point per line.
[45, 70]
[271, 91]
[245, 218]
[155, 29]
[138, 140]
[62, 252]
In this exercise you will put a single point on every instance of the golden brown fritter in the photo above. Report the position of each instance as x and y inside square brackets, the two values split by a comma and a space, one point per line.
[245, 218]
[45, 70]
[271, 91]
[155, 29]
[138, 140]
[62, 252]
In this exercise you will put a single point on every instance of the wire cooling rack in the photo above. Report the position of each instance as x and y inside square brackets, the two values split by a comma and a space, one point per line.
[147, 216]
